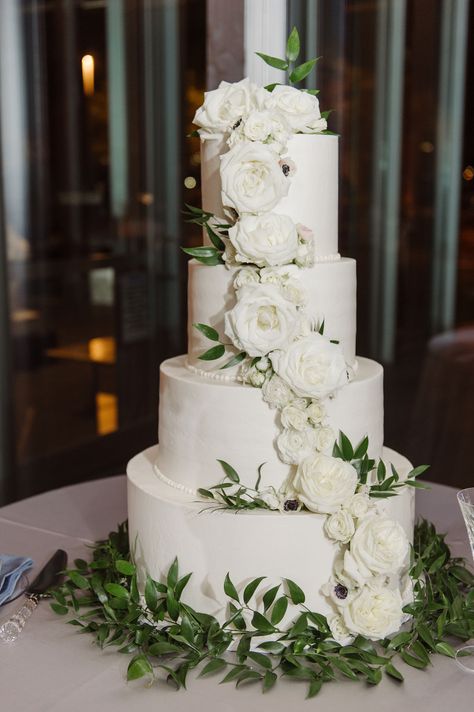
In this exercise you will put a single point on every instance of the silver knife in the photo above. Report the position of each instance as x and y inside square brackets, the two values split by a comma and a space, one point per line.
[47, 577]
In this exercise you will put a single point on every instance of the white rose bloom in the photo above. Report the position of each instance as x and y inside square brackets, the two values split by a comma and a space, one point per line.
[270, 497]
[276, 392]
[379, 546]
[252, 181]
[304, 233]
[316, 413]
[279, 275]
[262, 320]
[300, 109]
[223, 107]
[264, 240]
[257, 126]
[359, 505]
[374, 612]
[324, 483]
[340, 526]
[324, 439]
[294, 415]
[246, 275]
[339, 630]
[295, 445]
[312, 366]
[263, 364]
[305, 255]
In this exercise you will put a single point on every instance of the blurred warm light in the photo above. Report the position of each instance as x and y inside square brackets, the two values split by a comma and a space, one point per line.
[190, 182]
[146, 198]
[106, 413]
[468, 173]
[102, 349]
[88, 74]
[426, 147]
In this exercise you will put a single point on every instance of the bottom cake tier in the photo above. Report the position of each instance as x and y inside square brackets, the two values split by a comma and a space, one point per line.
[165, 523]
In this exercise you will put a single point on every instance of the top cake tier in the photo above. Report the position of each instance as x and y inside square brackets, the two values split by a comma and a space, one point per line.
[312, 199]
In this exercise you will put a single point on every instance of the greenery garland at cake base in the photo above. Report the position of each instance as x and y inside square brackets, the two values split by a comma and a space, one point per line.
[167, 638]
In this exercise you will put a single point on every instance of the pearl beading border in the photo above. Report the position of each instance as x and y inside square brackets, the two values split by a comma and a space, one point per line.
[318, 259]
[212, 375]
[175, 485]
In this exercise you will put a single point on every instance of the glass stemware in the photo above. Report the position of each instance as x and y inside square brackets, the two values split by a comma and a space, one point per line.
[465, 654]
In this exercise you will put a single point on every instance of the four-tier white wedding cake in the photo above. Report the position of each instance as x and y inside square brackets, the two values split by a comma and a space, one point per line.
[271, 376]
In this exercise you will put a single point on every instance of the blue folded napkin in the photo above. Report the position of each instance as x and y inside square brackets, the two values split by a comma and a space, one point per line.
[11, 570]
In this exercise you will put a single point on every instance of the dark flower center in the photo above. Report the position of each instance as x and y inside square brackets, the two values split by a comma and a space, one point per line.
[286, 169]
[341, 591]
[291, 505]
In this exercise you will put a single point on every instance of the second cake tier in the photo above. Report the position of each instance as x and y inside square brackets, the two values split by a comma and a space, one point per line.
[203, 420]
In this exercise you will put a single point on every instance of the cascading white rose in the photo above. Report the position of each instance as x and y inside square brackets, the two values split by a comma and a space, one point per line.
[300, 109]
[339, 630]
[262, 320]
[287, 276]
[374, 613]
[294, 415]
[324, 483]
[295, 445]
[252, 181]
[316, 413]
[340, 526]
[324, 439]
[379, 546]
[312, 366]
[359, 505]
[264, 240]
[223, 107]
[246, 275]
[276, 392]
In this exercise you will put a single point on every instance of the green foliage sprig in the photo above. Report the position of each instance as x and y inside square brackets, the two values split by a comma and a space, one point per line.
[385, 486]
[210, 255]
[167, 637]
[296, 73]
[218, 350]
[232, 494]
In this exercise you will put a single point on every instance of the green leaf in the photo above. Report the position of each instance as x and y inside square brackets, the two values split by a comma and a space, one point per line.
[172, 605]
[151, 594]
[115, 589]
[411, 660]
[208, 331]
[381, 471]
[272, 646]
[138, 667]
[293, 45]
[81, 564]
[345, 447]
[417, 485]
[426, 635]
[269, 597]
[445, 649]
[271, 87]
[180, 585]
[214, 238]
[248, 676]
[302, 71]
[321, 328]
[343, 667]
[273, 61]
[259, 478]
[235, 360]
[205, 493]
[214, 665]
[361, 448]
[462, 574]
[234, 673]
[391, 670]
[251, 588]
[314, 688]
[296, 594]
[125, 567]
[59, 609]
[261, 623]
[269, 680]
[207, 255]
[417, 471]
[162, 647]
[229, 471]
[212, 354]
[260, 659]
[279, 610]
[79, 580]
[300, 625]
[230, 590]
[437, 563]
[172, 576]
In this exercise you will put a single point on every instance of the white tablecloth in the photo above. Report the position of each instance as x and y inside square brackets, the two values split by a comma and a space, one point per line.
[51, 668]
